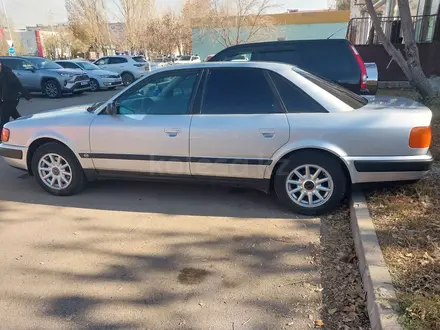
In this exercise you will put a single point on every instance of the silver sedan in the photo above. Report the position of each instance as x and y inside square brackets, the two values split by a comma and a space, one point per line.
[269, 126]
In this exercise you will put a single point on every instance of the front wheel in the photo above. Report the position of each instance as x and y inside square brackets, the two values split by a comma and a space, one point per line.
[57, 170]
[52, 89]
[310, 183]
[94, 85]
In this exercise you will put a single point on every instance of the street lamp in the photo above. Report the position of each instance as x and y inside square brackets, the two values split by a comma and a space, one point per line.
[7, 23]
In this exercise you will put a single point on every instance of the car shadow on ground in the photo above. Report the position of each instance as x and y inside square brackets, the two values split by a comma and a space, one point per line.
[155, 197]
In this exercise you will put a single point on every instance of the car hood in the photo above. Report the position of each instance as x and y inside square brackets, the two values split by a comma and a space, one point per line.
[58, 113]
[67, 71]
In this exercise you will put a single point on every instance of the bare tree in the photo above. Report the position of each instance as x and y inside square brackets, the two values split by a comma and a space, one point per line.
[410, 66]
[233, 22]
[88, 23]
[135, 15]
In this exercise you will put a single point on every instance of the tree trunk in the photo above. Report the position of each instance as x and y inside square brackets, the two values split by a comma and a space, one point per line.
[412, 52]
[411, 66]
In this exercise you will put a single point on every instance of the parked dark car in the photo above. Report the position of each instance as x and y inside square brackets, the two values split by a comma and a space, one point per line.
[333, 59]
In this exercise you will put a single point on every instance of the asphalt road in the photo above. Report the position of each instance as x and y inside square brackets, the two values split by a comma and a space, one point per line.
[127, 255]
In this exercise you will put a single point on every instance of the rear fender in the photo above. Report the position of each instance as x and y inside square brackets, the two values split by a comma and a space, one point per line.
[302, 145]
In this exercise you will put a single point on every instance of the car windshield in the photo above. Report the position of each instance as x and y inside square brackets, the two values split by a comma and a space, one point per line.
[43, 63]
[88, 66]
[348, 97]
[185, 58]
[139, 59]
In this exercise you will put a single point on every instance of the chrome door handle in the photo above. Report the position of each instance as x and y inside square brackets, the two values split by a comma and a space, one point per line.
[172, 132]
[267, 133]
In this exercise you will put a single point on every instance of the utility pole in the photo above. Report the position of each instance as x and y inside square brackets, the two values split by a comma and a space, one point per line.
[7, 22]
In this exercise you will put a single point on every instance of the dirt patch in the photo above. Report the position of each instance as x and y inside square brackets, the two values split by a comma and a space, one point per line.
[344, 297]
[192, 275]
[407, 221]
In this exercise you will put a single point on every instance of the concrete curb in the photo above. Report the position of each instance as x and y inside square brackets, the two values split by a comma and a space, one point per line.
[381, 296]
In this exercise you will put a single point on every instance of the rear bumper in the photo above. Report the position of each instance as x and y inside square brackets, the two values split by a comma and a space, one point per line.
[388, 169]
[14, 156]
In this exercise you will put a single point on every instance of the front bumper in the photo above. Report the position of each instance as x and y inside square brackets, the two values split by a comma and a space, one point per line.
[71, 87]
[110, 82]
[388, 169]
[14, 156]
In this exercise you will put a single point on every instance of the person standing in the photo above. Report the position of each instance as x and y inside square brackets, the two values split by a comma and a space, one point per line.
[10, 91]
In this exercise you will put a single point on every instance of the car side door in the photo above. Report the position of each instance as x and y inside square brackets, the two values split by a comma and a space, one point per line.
[240, 126]
[29, 76]
[117, 64]
[150, 132]
[102, 62]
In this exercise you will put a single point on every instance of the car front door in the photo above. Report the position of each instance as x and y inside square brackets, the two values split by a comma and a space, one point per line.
[150, 132]
[240, 125]
[102, 63]
[29, 76]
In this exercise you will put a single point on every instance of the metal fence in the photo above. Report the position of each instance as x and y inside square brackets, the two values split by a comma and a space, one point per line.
[361, 32]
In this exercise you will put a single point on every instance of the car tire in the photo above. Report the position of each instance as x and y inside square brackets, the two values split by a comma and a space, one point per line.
[94, 85]
[57, 170]
[310, 182]
[127, 78]
[52, 89]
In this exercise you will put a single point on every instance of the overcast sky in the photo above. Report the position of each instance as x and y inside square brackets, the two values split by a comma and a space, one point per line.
[31, 12]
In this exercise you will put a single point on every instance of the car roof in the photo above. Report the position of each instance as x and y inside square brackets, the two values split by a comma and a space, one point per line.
[287, 42]
[274, 66]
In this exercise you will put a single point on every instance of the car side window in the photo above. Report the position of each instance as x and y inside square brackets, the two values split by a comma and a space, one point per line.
[162, 94]
[241, 57]
[295, 100]
[68, 65]
[283, 56]
[238, 91]
[11, 63]
[117, 60]
[102, 61]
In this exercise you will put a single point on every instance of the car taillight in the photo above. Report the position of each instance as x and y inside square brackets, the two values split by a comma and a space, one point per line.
[420, 137]
[5, 135]
[361, 66]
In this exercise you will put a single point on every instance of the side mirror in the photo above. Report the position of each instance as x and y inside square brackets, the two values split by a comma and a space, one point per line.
[111, 109]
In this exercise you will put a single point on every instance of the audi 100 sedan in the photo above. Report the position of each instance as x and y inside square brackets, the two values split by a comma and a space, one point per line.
[270, 126]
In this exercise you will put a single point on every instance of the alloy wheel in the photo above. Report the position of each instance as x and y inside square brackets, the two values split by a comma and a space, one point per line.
[55, 171]
[51, 89]
[309, 186]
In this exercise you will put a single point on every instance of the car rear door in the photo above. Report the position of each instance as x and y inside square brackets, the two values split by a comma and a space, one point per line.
[239, 127]
[117, 64]
[150, 132]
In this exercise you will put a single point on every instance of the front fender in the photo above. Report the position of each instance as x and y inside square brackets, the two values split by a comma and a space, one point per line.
[301, 145]
[53, 135]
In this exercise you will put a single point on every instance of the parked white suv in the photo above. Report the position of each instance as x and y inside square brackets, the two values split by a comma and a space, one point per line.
[129, 68]
[188, 59]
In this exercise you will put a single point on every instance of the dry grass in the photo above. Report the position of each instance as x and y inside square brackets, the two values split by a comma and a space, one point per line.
[407, 220]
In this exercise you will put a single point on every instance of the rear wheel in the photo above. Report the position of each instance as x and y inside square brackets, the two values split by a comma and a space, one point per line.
[57, 170]
[52, 89]
[94, 85]
[310, 183]
[127, 78]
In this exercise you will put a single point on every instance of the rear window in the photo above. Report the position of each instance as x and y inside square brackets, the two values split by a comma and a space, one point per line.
[139, 59]
[351, 99]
